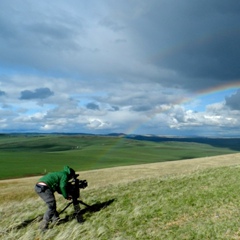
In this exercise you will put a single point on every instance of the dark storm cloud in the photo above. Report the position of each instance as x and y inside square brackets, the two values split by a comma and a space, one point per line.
[92, 106]
[39, 93]
[36, 36]
[196, 40]
[132, 61]
[199, 40]
[2, 93]
[142, 108]
[115, 108]
[233, 101]
[111, 24]
[57, 31]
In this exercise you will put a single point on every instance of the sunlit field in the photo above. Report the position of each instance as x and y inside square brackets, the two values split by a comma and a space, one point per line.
[188, 199]
[27, 155]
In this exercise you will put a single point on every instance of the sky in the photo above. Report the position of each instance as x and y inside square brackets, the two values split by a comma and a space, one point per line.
[162, 67]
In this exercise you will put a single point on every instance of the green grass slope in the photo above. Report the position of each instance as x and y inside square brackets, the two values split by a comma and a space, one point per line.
[201, 204]
[27, 155]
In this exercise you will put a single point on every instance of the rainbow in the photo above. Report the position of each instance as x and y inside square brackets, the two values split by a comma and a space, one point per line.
[235, 84]
[226, 89]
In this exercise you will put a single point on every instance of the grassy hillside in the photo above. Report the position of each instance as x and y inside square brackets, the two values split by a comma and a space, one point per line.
[29, 155]
[189, 199]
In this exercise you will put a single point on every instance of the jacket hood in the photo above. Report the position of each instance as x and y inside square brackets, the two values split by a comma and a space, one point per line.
[69, 171]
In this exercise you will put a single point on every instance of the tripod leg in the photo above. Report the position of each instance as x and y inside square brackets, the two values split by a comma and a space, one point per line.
[77, 212]
[83, 203]
[65, 208]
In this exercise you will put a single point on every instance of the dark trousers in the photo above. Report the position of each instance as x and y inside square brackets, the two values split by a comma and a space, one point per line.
[48, 197]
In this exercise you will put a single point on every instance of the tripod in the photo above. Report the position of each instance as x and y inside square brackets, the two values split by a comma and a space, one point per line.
[77, 209]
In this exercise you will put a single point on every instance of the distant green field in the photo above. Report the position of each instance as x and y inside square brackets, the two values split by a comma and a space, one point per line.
[28, 155]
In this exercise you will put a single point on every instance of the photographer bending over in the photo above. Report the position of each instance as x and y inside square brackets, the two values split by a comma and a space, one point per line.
[45, 188]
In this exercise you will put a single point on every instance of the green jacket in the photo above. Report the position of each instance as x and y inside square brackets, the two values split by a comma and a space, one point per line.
[57, 181]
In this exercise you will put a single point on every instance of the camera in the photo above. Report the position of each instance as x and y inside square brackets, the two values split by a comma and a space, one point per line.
[83, 183]
[73, 190]
[74, 187]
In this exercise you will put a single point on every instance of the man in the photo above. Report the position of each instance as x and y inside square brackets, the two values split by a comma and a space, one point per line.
[45, 188]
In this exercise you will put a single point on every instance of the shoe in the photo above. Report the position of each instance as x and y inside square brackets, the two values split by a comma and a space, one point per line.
[79, 218]
[57, 221]
[43, 226]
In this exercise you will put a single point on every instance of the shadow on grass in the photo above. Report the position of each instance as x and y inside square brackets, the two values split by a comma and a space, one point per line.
[89, 209]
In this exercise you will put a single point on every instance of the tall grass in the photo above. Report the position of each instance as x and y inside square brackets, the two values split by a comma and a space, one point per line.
[203, 204]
